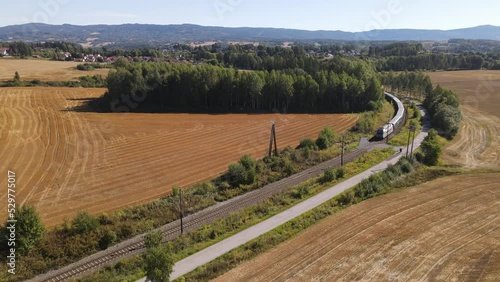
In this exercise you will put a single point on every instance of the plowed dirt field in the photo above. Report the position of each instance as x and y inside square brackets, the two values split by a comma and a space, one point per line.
[444, 230]
[68, 161]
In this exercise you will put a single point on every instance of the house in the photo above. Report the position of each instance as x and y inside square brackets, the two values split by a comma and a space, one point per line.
[4, 52]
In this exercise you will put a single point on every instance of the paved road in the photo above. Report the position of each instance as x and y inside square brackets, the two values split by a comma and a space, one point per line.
[207, 255]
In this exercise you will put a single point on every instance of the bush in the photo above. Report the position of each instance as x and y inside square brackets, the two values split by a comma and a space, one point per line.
[237, 174]
[347, 198]
[419, 157]
[84, 223]
[406, 166]
[247, 162]
[366, 123]
[107, 239]
[340, 173]
[431, 148]
[301, 192]
[85, 67]
[307, 143]
[326, 138]
[328, 175]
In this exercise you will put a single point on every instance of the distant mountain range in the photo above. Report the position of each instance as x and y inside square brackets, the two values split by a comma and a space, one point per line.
[156, 35]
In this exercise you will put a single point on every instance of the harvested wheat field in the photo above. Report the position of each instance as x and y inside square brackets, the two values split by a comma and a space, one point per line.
[44, 70]
[478, 142]
[444, 230]
[68, 161]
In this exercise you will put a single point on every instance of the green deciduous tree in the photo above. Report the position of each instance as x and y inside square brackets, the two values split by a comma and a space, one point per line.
[29, 228]
[158, 264]
[431, 148]
[153, 239]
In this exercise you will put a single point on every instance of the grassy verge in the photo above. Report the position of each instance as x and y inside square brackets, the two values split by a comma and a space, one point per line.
[132, 269]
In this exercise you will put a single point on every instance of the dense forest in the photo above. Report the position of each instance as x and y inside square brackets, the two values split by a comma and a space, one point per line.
[343, 86]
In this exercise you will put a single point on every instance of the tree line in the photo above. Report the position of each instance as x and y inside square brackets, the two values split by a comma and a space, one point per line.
[347, 86]
[416, 85]
[431, 61]
[444, 109]
[396, 49]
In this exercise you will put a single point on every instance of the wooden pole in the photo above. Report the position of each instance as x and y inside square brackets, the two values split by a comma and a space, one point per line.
[271, 141]
[408, 143]
[412, 141]
[275, 142]
[342, 153]
[180, 209]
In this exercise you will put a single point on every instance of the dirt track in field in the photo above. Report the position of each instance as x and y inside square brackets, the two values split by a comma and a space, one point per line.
[68, 161]
[478, 142]
[30, 69]
[445, 230]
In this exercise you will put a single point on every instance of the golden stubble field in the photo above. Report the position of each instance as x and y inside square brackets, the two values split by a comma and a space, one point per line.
[68, 161]
[478, 142]
[44, 70]
[444, 230]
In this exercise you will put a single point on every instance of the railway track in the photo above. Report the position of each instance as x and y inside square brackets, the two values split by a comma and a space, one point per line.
[172, 230]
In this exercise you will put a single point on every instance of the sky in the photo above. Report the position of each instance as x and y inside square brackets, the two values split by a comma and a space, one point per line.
[347, 15]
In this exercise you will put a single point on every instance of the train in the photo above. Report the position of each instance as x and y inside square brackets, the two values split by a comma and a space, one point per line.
[397, 121]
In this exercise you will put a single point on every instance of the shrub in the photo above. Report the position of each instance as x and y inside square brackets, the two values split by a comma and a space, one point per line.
[366, 123]
[326, 138]
[419, 157]
[247, 162]
[406, 166]
[84, 223]
[237, 174]
[107, 239]
[328, 175]
[301, 191]
[431, 148]
[340, 173]
[347, 198]
[306, 153]
[307, 143]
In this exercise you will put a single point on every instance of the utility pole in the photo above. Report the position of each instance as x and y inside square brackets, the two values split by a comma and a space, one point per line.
[408, 143]
[180, 209]
[273, 140]
[342, 152]
[413, 129]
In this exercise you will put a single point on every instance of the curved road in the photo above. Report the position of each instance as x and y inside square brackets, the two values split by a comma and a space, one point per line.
[205, 256]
